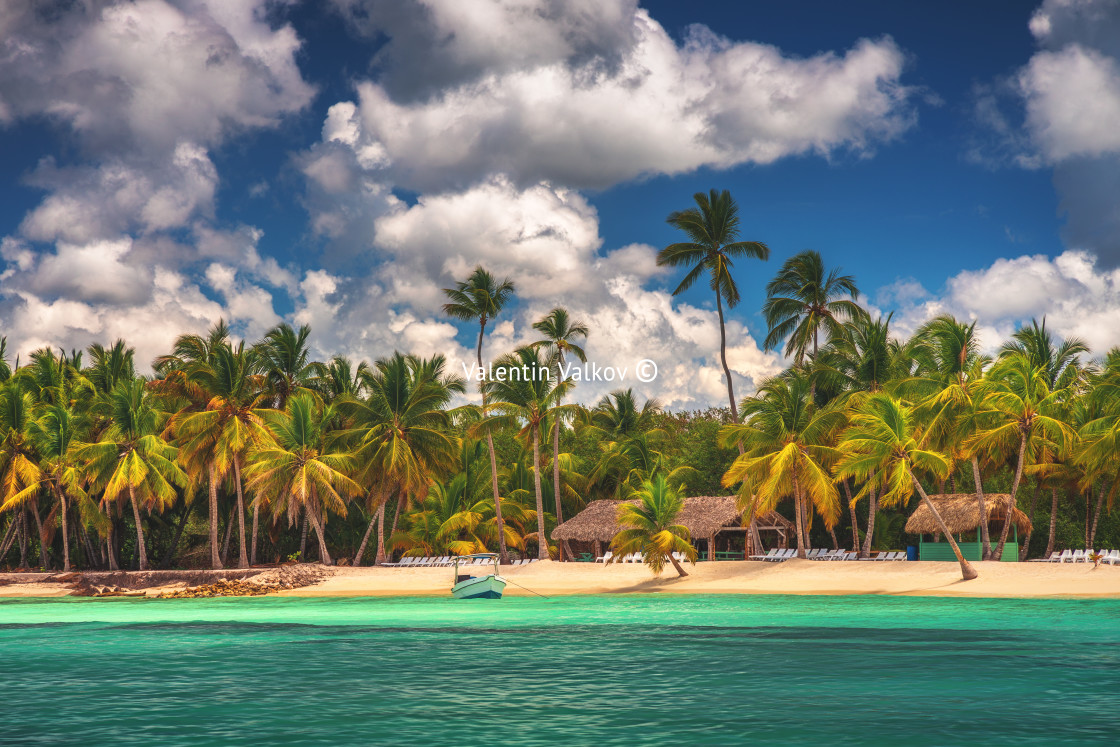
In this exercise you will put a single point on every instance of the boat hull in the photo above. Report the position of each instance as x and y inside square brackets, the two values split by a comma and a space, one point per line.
[484, 587]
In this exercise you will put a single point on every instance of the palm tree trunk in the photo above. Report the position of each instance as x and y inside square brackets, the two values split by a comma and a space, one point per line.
[872, 511]
[141, 550]
[44, 559]
[800, 524]
[835, 542]
[9, 537]
[967, 571]
[170, 554]
[303, 537]
[1030, 531]
[998, 554]
[723, 360]
[243, 557]
[556, 478]
[66, 529]
[852, 509]
[215, 559]
[21, 534]
[1096, 518]
[109, 550]
[313, 514]
[681, 573]
[379, 557]
[503, 553]
[253, 541]
[228, 535]
[984, 537]
[365, 538]
[1053, 522]
[401, 498]
[542, 540]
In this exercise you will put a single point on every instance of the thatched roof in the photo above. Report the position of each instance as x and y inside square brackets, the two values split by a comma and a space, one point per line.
[961, 513]
[702, 515]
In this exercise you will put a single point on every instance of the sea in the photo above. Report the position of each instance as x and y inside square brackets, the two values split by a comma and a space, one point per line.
[626, 670]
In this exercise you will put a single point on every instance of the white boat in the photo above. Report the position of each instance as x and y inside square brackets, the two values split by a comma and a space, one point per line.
[467, 586]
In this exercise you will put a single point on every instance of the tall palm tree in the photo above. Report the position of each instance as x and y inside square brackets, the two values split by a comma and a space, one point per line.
[1018, 413]
[215, 440]
[650, 527]
[5, 367]
[712, 228]
[132, 460]
[110, 366]
[55, 435]
[285, 362]
[787, 452]
[1059, 361]
[20, 476]
[560, 334]
[522, 390]
[802, 301]
[339, 378]
[400, 434]
[948, 389]
[299, 471]
[481, 297]
[881, 445]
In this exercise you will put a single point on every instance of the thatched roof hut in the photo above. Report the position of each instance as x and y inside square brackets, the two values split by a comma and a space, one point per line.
[703, 516]
[961, 513]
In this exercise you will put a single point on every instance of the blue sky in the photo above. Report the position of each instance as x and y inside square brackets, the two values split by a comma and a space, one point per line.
[167, 162]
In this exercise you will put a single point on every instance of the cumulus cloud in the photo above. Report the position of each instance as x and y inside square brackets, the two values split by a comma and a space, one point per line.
[1075, 294]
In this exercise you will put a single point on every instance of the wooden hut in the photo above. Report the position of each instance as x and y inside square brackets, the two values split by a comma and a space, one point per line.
[961, 514]
[712, 520]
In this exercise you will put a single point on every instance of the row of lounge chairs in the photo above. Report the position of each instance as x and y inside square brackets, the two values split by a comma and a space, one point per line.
[447, 561]
[634, 557]
[1112, 557]
[775, 555]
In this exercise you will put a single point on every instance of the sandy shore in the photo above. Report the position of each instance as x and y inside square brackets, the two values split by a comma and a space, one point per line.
[791, 577]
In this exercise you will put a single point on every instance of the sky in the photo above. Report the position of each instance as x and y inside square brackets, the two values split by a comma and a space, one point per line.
[166, 163]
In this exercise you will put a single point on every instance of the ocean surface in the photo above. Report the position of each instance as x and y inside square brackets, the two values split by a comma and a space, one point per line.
[571, 671]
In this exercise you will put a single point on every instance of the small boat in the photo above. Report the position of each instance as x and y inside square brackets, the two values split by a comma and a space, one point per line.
[467, 586]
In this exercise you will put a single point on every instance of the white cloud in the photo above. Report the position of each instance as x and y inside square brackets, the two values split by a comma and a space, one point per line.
[657, 108]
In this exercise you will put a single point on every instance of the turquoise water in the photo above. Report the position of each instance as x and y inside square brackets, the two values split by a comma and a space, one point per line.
[630, 670]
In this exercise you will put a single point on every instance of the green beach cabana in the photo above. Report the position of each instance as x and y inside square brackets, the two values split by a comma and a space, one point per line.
[961, 513]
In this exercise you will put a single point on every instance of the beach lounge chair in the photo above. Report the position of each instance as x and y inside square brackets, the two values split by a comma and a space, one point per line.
[1112, 558]
[1052, 559]
[1066, 556]
[838, 555]
[604, 557]
[783, 555]
[769, 554]
[1079, 556]
[815, 553]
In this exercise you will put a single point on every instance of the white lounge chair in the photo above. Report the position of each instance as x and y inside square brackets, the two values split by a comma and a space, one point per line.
[1079, 556]
[784, 555]
[1112, 558]
[1052, 559]
[604, 557]
[1066, 556]
[769, 554]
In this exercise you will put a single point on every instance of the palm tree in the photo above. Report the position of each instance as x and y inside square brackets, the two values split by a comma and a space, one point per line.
[5, 367]
[482, 297]
[948, 388]
[881, 445]
[111, 366]
[20, 476]
[400, 434]
[787, 451]
[712, 228]
[651, 528]
[215, 440]
[132, 459]
[560, 333]
[522, 390]
[299, 471]
[802, 301]
[339, 378]
[1060, 362]
[1019, 412]
[55, 437]
[284, 360]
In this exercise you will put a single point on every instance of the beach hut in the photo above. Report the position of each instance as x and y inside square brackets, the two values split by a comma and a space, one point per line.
[961, 513]
[711, 520]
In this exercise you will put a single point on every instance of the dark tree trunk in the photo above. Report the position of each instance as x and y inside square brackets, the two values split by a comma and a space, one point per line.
[998, 555]
[1053, 521]
[1030, 532]
[379, 557]
[141, 550]
[542, 539]
[872, 510]
[65, 530]
[799, 514]
[1096, 517]
[22, 533]
[228, 535]
[986, 552]
[303, 538]
[44, 559]
[677, 567]
[243, 556]
[723, 360]
[852, 509]
[253, 541]
[313, 513]
[365, 537]
[215, 558]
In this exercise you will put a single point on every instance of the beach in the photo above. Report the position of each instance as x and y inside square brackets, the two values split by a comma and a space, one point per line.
[1025, 580]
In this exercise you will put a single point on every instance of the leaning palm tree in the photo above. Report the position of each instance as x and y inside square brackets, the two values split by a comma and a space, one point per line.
[882, 446]
[20, 476]
[132, 460]
[481, 297]
[560, 334]
[299, 471]
[802, 301]
[55, 435]
[712, 228]
[787, 451]
[522, 391]
[650, 528]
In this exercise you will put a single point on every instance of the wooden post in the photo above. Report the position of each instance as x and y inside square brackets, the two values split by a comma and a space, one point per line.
[598, 549]
[566, 551]
[712, 547]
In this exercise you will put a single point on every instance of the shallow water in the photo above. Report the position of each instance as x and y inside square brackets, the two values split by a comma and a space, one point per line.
[603, 670]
